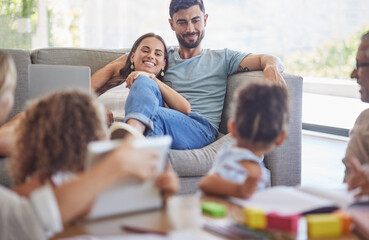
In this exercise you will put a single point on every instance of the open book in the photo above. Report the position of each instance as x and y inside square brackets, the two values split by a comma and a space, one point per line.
[298, 200]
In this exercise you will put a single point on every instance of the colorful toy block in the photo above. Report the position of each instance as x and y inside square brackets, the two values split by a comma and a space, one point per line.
[287, 223]
[214, 209]
[324, 225]
[255, 218]
[346, 221]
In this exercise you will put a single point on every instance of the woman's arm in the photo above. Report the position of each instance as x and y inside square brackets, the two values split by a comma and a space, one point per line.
[101, 76]
[172, 98]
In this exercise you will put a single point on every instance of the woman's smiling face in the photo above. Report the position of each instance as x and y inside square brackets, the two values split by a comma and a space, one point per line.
[149, 56]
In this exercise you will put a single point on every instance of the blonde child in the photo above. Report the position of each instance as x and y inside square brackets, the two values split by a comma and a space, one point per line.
[259, 122]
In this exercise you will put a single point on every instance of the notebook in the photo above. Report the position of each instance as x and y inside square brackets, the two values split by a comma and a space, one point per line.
[128, 195]
[45, 79]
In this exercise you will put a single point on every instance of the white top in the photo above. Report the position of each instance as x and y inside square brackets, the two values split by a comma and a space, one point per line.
[115, 100]
[46, 207]
[227, 165]
[37, 218]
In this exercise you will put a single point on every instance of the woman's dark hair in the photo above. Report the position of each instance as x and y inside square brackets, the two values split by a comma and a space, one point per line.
[126, 70]
[261, 112]
[176, 5]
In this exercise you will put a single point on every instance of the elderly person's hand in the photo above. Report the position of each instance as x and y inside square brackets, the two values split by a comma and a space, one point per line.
[358, 177]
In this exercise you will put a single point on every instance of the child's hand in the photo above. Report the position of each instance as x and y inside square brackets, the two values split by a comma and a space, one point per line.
[134, 162]
[26, 188]
[168, 182]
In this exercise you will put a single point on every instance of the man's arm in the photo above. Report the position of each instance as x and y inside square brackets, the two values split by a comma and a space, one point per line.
[101, 76]
[271, 65]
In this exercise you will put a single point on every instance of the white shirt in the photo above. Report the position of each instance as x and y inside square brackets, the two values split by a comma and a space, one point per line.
[227, 165]
[37, 218]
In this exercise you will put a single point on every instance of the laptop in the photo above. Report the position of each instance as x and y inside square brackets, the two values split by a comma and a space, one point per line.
[44, 79]
[129, 195]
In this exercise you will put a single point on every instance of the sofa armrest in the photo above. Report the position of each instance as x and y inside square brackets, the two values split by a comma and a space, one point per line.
[284, 162]
[196, 162]
[22, 59]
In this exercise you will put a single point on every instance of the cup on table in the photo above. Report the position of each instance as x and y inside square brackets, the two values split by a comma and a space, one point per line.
[184, 211]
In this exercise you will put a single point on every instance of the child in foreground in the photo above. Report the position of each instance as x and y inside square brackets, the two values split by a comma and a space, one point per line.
[52, 141]
[259, 122]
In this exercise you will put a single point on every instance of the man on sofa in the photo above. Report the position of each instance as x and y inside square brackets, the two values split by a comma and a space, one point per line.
[198, 74]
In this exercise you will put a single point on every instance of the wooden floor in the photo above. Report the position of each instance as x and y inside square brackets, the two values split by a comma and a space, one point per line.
[321, 159]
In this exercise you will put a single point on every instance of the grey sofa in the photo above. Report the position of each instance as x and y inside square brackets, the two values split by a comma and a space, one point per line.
[284, 162]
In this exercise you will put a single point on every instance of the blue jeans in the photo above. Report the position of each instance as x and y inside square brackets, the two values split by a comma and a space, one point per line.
[145, 103]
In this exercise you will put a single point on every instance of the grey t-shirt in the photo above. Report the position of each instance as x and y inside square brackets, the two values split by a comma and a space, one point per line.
[202, 80]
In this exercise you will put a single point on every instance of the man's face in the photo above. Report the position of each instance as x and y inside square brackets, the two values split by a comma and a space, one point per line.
[189, 25]
[361, 73]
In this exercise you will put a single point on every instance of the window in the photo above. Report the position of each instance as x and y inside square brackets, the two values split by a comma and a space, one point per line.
[315, 39]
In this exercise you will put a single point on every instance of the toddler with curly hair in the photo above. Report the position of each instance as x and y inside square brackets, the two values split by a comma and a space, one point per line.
[259, 122]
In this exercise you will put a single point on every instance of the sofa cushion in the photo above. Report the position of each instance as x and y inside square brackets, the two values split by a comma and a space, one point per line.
[196, 162]
[95, 59]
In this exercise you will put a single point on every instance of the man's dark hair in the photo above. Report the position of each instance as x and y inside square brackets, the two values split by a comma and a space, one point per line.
[261, 112]
[176, 5]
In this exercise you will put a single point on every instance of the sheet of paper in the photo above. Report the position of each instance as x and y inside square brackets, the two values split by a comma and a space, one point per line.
[284, 200]
[119, 237]
[340, 195]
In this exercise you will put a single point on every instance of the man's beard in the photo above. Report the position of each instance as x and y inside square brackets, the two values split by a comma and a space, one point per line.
[182, 41]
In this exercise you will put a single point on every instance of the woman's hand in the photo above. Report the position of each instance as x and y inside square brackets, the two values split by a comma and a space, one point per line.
[134, 75]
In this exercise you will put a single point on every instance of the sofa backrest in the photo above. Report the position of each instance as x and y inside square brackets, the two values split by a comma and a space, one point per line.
[94, 58]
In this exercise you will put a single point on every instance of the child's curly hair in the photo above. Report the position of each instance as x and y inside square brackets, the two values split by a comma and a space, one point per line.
[261, 112]
[54, 134]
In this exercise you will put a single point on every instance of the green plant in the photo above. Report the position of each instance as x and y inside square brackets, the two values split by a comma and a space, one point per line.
[10, 10]
[28, 8]
[332, 59]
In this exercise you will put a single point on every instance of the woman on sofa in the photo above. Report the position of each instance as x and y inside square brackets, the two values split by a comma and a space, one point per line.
[150, 104]
[25, 218]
